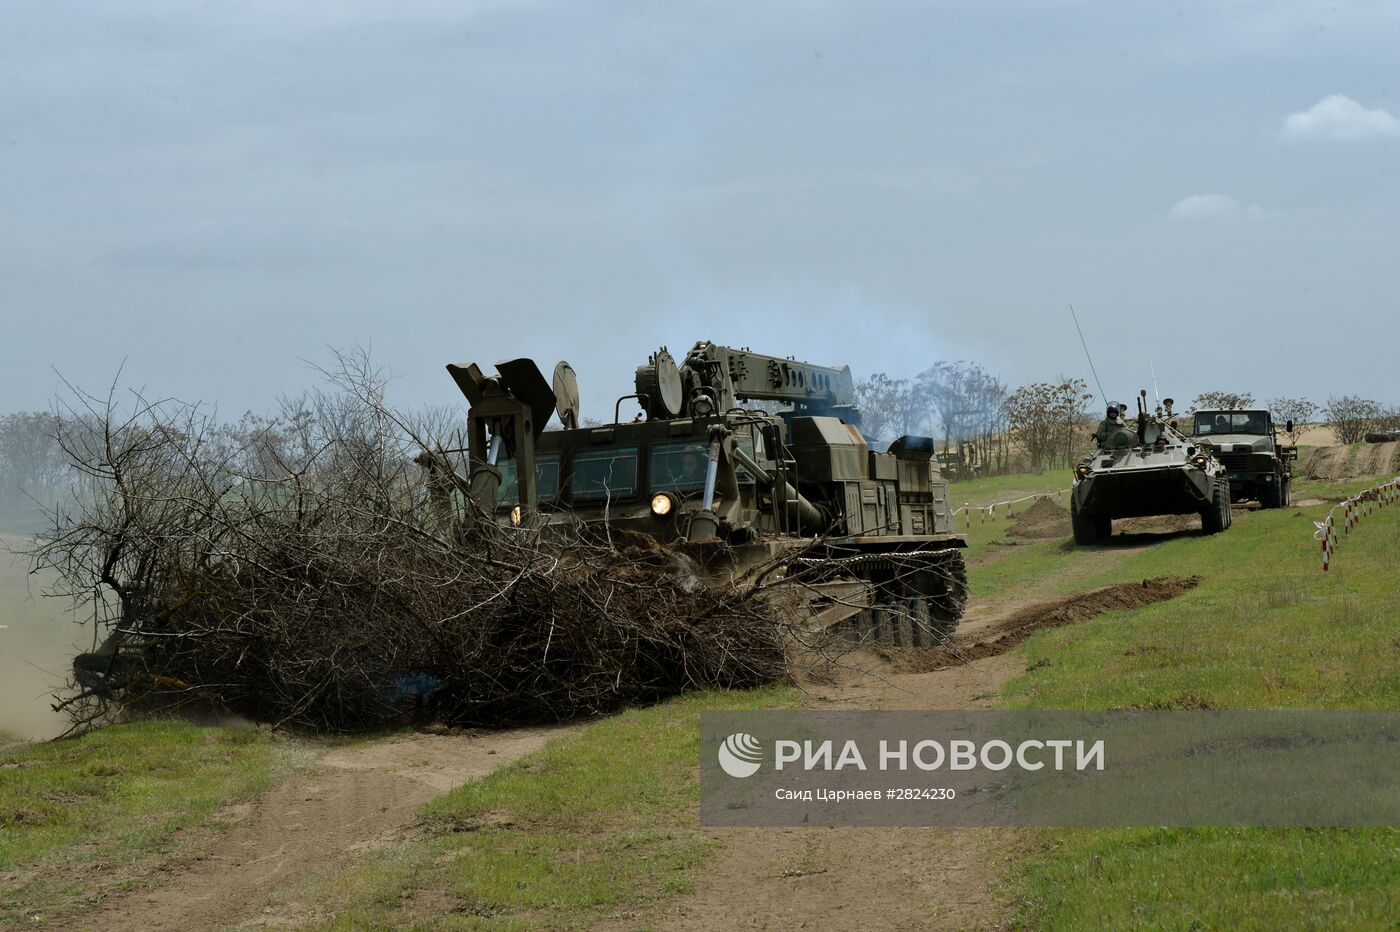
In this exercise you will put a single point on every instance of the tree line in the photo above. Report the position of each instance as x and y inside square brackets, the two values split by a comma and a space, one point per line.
[961, 405]
[1350, 417]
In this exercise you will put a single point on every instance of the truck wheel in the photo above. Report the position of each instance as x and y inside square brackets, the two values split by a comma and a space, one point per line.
[1086, 527]
[1271, 495]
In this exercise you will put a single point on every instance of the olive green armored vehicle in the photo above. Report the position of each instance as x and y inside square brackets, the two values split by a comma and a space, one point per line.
[706, 472]
[1247, 445]
[1145, 469]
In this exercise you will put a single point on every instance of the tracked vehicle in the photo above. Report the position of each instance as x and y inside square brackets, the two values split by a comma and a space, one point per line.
[1145, 470]
[706, 472]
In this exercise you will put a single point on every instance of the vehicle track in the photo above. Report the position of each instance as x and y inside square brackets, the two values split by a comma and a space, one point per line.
[351, 799]
[892, 878]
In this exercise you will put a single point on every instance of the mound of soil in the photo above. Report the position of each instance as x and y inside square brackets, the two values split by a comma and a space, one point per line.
[1010, 631]
[1042, 520]
[1338, 462]
[1156, 524]
[1374, 459]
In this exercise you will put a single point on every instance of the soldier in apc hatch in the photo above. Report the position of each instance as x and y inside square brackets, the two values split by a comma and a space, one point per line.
[1109, 425]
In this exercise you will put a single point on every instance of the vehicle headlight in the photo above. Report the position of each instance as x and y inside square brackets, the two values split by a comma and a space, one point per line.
[1083, 469]
[1200, 460]
[661, 504]
[515, 516]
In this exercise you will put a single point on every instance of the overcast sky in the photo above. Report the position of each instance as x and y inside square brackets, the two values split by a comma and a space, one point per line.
[215, 192]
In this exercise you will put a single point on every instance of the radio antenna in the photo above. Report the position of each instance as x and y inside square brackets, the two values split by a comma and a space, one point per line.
[1102, 396]
[1154, 380]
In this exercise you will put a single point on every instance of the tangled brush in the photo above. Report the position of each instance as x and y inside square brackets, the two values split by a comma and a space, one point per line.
[299, 571]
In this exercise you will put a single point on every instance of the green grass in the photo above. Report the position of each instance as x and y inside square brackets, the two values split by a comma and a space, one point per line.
[1211, 879]
[77, 816]
[600, 822]
[1266, 628]
[999, 488]
[998, 564]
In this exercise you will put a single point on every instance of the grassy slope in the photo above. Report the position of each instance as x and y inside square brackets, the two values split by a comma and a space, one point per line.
[80, 814]
[1266, 628]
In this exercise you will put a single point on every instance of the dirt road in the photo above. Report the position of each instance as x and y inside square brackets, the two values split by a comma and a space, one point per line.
[882, 878]
[349, 800]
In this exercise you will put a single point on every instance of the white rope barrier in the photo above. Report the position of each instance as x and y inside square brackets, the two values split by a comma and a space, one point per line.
[988, 511]
[1363, 503]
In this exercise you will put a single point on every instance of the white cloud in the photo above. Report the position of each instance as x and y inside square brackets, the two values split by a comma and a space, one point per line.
[1211, 207]
[1340, 118]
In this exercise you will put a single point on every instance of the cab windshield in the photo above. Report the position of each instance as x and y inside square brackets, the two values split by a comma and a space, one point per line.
[600, 474]
[678, 467]
[546, 480]
[1231, 422]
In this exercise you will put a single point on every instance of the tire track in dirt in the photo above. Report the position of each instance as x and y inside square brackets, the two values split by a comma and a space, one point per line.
[891, 878]
[351, 799]
[1341, 462]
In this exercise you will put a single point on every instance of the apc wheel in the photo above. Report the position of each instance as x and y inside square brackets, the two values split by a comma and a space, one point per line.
[1088, 529]
[1217, 517]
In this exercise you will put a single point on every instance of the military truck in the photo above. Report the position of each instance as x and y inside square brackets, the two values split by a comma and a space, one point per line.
[1146, 469]
[870, 534]
[1246, 443]
[959, 463]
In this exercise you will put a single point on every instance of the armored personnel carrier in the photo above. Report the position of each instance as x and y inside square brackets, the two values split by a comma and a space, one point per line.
[1143, 470]
[705, 471]
[1246, 443]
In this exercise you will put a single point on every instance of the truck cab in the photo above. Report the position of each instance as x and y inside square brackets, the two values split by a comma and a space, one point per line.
[814, 475]
[1247, 445]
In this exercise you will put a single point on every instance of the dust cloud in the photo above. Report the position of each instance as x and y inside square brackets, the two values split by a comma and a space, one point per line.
[37, 642]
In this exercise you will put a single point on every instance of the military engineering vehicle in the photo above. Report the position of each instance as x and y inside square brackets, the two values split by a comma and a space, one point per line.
[1144, 470]
[960, 463]
[731, 485]
[1246, 443]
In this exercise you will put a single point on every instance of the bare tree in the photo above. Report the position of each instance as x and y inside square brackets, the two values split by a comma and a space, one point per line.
[1297, 410]
[1222, 401]
[965, 396]
[1351, 416]
[1049, 421]
[889, 407]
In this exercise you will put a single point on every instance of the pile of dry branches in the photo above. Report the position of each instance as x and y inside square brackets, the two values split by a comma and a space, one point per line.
[301, 574]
